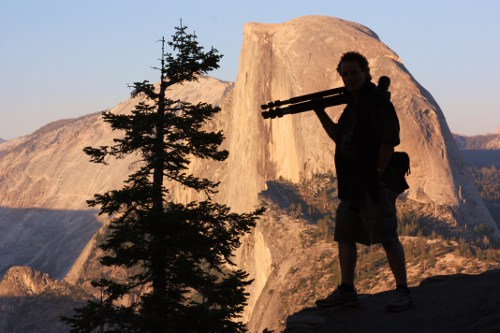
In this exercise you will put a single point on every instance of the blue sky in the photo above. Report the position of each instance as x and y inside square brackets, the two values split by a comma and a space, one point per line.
[66, 58]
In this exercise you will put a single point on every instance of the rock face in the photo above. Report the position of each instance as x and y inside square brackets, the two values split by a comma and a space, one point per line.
[30, 301]
[24, 281]
[279, 61]
[45, 178]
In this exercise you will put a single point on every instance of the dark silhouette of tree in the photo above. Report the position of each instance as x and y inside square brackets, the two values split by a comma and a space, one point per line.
[177, 254]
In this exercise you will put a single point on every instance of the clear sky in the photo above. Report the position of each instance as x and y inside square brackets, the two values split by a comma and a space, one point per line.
[66, 58]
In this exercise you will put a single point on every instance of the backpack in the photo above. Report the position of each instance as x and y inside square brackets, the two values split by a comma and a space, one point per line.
[399, 164]
[397, 170]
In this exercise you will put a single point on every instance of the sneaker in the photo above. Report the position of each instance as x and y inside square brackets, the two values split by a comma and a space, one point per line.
[339, 297]
[401, 301]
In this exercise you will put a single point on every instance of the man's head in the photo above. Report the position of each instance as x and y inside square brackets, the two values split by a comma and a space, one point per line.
[354, 70]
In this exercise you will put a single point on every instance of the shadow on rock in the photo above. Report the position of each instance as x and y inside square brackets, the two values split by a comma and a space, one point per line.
[454, 303]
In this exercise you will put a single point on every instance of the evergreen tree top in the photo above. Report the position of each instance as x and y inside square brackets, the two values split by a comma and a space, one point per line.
[176, 253]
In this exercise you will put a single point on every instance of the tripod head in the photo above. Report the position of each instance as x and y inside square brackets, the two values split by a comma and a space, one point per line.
[313, 101]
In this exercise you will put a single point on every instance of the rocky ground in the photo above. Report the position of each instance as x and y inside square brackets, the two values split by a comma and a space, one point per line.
[454, 303]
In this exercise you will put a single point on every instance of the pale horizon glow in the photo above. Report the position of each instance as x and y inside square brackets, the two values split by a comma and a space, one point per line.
[63, 59]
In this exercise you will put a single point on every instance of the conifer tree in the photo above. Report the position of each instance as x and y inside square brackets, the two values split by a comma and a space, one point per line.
[177, 253]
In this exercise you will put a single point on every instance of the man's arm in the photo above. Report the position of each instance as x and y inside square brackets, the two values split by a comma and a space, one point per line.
[330, 127]
[384, 156]
[387, 125]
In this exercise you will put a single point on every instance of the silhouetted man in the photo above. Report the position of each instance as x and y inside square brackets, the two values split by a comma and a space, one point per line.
[365, 137]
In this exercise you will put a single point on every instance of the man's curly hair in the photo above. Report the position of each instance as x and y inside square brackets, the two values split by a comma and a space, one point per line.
[354, 56]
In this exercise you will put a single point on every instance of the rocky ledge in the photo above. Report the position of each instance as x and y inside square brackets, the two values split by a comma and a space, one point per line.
[454, 303]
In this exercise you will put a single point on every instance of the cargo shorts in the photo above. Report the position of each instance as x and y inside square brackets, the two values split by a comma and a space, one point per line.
[374, 222]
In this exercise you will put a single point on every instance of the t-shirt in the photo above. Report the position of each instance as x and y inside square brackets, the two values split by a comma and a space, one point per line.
[364, 125]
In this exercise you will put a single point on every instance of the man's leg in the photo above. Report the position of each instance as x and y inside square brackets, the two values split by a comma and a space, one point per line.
[381, 222]
[402, 299]
[348, 256]
[348, 228]
[380, 218]
[345, 294]
[396, 258]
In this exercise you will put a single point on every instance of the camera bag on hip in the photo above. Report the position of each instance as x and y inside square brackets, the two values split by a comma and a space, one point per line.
[398, 169]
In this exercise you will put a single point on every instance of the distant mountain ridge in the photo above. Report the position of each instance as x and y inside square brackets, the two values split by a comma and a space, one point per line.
[479, 150]
[489, 141]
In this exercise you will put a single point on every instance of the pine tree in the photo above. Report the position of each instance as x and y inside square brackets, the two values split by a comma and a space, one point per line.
[177, 254]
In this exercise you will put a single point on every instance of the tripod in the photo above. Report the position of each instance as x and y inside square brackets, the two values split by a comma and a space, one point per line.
[313, 101]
